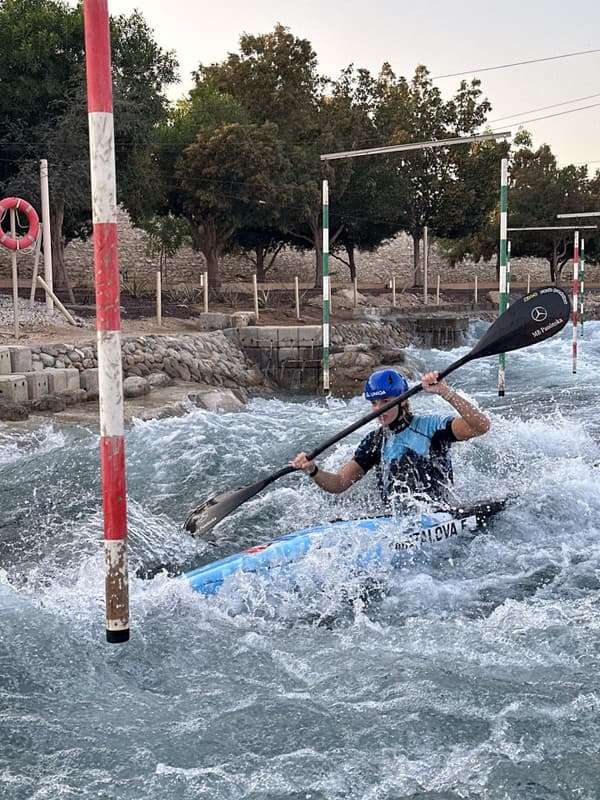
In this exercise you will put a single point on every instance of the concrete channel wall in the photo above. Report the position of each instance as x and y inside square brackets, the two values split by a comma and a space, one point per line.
[20, 382]
[291, 356]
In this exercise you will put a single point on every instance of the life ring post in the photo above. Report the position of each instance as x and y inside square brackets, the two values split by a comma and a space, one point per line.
[15, 276]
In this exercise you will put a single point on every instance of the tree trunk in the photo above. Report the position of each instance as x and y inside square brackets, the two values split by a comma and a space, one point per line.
[553, 275]
[351, 261]
[318, 266]
[163, 266]
[212, 267]
[60, 277]
[260, 262]
[207, 241]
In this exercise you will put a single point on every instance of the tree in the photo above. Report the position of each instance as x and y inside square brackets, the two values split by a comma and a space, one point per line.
[43, 110]
[423, 181]
[166, 234]
[224, 175]
[274, 79]
[359, 214]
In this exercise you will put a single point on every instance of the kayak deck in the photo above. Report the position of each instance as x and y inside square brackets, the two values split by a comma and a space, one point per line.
[432, 529]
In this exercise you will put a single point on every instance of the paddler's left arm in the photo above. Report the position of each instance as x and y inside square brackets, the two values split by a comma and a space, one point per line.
[471, 421]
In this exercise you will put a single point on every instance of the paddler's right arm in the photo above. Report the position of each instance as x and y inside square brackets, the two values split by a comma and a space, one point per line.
[333, 482]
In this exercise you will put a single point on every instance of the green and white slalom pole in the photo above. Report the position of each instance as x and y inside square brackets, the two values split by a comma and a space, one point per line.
[581, 281]
[508, 273]
[326, 294]
[502, 287]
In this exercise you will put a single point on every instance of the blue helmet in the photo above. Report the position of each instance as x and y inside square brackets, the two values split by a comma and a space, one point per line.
[385, 383]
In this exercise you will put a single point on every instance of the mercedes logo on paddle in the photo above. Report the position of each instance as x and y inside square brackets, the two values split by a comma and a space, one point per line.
[539, 314]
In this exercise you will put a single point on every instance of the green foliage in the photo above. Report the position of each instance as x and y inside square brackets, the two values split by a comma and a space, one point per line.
[427, 182]
[274, 78]
[43, 109]
[237, 162]
[136, 286]
[166, 235]
[226, 180]
[539, 190]
[186, 294]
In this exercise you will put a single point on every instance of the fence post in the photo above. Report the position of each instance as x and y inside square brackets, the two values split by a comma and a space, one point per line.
[297, 295]
[69, 317]
[158, 299]
[36, 264]
[575, 296]
[581, 281]
[425, 262]
[326, 288]
[255, 292]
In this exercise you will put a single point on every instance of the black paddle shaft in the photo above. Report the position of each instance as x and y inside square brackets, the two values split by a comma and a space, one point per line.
[532, 319]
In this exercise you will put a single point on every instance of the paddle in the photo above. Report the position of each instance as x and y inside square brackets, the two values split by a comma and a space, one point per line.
[533, 318]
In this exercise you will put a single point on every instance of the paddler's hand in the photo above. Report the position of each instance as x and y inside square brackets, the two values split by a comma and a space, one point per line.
[431, 384]
[302, 462]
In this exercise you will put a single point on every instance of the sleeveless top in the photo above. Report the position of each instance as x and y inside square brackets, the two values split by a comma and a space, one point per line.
[414, 459]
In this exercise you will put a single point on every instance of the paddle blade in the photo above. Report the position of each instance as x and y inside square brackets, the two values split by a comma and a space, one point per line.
[205, 516]
[538, 316]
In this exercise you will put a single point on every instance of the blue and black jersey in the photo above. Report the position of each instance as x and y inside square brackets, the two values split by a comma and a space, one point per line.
[414, 459]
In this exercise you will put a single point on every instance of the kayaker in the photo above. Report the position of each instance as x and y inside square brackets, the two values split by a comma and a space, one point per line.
[410, 452]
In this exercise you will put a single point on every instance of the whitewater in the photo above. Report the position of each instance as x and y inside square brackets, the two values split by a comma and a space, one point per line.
[472, 672]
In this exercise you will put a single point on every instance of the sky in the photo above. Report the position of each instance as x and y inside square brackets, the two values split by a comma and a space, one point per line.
[447, 37]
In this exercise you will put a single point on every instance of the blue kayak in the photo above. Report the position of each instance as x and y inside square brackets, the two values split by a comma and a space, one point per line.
[392, 540]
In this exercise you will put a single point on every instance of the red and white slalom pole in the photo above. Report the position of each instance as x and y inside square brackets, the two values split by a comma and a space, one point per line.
[108, 318]
[581, 282]
[575, 296]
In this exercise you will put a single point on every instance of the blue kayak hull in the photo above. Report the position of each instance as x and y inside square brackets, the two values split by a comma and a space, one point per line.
[394, 535]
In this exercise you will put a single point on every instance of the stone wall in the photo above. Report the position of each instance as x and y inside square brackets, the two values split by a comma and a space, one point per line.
[50, 377]
[211, 358]
[238, 360]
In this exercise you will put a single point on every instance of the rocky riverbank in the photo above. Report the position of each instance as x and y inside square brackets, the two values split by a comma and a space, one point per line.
[210, 365]
[164, 372]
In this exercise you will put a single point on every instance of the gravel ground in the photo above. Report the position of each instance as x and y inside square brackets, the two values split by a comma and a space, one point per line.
[31, 315]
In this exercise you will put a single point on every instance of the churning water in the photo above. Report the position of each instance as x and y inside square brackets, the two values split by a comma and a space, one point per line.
[474, 673]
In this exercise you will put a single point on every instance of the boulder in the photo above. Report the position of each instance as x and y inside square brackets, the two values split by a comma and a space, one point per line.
[135, 386]
[218, 400]
[51, 402]
[12, 412]
[158, 379]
